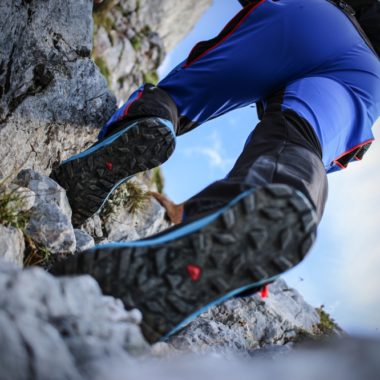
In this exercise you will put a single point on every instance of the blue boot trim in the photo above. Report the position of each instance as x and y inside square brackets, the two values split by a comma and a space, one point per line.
[115, 136]
[220, 300]
[179, 232]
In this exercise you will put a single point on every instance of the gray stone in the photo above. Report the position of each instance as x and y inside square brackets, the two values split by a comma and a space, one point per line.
[51, 228]
[53, 98]
[122, 225]
[50, 217]
[12, 245]
[171, 19]
[244, 324]
[84, 240]
[62, 328]
[46, 190]
[93, 226]
[134, 40]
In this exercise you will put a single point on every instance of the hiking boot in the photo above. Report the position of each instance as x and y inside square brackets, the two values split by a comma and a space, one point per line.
[178, 274]
[138, 137]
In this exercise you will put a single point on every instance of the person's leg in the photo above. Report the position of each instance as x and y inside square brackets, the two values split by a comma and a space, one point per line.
[248, 60]
[268, 223]
[239, 234]
[282, 149]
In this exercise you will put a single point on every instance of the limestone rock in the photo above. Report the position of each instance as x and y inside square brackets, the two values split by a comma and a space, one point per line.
[124, 226]
[12, 244]
[132, 37]
[62, 328]
[50, 227]
[93, 226]
[172, 19]
[45, 189]
[50, 217]
[52, 95]
[84, 240]
[117, 222]
[244, 324]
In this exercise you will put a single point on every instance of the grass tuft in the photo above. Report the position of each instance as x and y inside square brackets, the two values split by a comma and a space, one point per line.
[151, 77]
[12, 203]
[130, 195]
[35, 254]
[327, 326]
[101, 63]
[158, 179]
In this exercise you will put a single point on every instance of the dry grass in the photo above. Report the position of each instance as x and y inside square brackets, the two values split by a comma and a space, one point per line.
[12, 203]
[130, 196]
[35, 254]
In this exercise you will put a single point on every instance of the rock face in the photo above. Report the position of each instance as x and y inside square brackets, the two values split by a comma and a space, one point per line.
[244, 324]
[123, 224]
[53, 98]
[63, 328]
[130, 214]
[50, 217]
[52, 95]
[12, 245]
[132, 37]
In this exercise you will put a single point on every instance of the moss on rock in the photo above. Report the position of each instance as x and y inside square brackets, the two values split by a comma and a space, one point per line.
[327, 326]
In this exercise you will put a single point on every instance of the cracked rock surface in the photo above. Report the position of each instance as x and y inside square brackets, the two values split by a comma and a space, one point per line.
[64, 328]
[12, 245]
[132, 37]
[53, 97]
[244, 324]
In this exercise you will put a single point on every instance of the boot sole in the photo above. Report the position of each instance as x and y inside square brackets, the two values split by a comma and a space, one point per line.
[173, 278]
[90, 177]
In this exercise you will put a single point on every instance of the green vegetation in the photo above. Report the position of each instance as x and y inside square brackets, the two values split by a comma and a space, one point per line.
[136, 42]
[11, 202]
[104, 7]
[327, 326]
[130, 196]
[36, 254]
[101, 19]
[151, 77]
[158, 179]
[12, 214]
[101, 63]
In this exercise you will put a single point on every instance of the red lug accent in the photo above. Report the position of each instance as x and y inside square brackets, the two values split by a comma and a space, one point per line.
[194, 272]
[109, 166]
[264, 291]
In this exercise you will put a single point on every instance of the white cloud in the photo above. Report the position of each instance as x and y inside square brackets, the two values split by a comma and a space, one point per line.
[213, 151]
[354, 222]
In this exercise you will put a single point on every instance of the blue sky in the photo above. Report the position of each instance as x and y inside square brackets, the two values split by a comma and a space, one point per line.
[342, 271]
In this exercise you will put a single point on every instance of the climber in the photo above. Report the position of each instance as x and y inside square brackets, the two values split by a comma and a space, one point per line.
[313, 70]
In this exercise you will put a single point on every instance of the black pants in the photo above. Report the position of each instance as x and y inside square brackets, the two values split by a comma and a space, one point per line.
[282, 149]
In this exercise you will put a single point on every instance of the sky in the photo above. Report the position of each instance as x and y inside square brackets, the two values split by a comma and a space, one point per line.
[342, 271]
